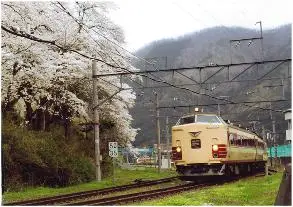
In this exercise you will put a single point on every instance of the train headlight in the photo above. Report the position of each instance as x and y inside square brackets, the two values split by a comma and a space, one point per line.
[215, 148]
[178, 149]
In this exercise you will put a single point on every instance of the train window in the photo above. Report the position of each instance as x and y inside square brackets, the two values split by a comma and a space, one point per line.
[231, 139]
[238, 142]
[207, 119]
[251, 142]
[186, 120]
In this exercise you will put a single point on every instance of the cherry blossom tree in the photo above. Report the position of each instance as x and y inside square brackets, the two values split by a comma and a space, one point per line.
[47, 48]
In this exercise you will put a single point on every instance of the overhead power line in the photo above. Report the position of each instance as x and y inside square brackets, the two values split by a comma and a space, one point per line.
[193, 68]
[215, 104]
[141, 73]
[161, 80]
[98, 33]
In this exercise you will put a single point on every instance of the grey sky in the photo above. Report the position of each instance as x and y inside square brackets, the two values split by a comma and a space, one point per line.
[144, 21]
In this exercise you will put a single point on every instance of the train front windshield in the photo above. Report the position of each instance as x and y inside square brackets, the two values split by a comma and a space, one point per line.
[186, 120]
[205, 119]
[208, 119]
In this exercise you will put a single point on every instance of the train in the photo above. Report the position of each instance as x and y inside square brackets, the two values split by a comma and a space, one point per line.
[203, 144]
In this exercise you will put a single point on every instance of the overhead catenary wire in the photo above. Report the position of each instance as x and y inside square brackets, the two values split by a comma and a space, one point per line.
[215, 104]
[124, 48]
[26, 35]
[98, 33]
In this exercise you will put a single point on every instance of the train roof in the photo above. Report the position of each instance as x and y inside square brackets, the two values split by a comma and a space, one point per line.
[245, 130]
[201, 113]
[226, 121]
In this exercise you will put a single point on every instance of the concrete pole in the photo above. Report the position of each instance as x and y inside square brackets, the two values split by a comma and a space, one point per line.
[263, 134]
[261, 41]
[274, 139]
[168, 142]
[158, 132]
[283, 90]
[96, 121]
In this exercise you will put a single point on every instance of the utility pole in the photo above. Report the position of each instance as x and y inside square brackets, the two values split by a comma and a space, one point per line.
[263, 134]
[168, 143]
[269, 138]
[261, 40]
[283, 90]
[238, 42]
[274, 138]
[158, 131]
[96, 121]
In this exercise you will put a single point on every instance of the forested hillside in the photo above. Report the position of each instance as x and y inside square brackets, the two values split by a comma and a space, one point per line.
[212, 47]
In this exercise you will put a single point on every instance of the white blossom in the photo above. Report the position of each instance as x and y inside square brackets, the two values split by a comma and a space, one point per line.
[33, 71]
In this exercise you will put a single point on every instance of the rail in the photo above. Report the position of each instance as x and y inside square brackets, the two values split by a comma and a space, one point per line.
[85, 194]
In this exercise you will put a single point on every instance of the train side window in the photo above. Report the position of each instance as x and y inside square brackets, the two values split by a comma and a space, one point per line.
[232, 139]
[238, 142]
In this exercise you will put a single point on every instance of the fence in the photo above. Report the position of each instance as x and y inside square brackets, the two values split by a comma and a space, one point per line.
[280, 151]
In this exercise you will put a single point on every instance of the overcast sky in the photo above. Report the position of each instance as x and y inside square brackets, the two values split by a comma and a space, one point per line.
[144, 21]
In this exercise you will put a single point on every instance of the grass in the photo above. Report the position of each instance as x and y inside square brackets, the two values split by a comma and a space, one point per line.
[256, 191]
[122, 177]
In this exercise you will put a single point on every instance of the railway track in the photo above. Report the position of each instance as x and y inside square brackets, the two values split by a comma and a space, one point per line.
[88, 197]
[123, 199]
[83, 195]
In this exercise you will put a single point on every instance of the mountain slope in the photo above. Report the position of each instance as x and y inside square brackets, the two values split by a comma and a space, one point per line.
[212, 46]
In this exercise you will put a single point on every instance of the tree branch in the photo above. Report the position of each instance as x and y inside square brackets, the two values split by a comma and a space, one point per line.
[15, 32]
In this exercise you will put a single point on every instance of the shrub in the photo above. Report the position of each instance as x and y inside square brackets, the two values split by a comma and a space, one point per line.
[41, 158]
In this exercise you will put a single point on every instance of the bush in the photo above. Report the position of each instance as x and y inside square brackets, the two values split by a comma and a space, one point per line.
[82, 170]
[41, 158]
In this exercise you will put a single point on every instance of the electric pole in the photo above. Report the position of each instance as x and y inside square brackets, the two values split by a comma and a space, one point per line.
[168, 143]
[158, 131]
[261, 40]
[96, 121]
[263, 133]
[274, 139]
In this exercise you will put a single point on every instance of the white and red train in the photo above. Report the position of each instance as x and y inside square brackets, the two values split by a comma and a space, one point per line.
[205, 145]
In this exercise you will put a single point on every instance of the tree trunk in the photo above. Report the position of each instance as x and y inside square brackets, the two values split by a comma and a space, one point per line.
[29, 113]
[67, 129]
